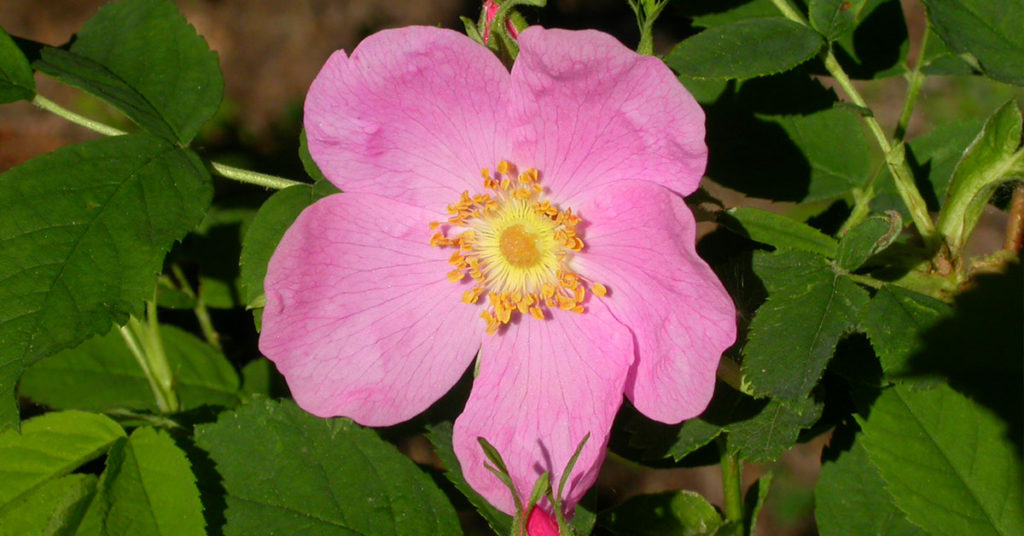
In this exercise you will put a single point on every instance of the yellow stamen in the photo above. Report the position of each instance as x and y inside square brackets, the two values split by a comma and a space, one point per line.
[516, 247]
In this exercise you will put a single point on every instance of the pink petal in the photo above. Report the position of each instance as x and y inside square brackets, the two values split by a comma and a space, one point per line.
[360, 317]
[640, 245]
[587, 111]
[413, 115]
[542, 386]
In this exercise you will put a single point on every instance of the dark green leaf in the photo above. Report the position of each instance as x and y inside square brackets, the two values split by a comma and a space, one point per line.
[259, 377]
[440, 435]
[144, 58]
[797, 145]
[834, 18]
[940, 60]
[878, 45]
[754, 47]
[794, 334]
[773, 431]
[308, 164]
[101, 374]
[53, 509]
[266, 230]
[992, 158]
[896, 321]
[990, 30]
[850, 499]
[868, 238]
[318, 476]
[833, 143]
[16, 82]
[659, 440]
[49, 446]
[148, 488]
[947, 462]
[779, 231]
[681, 513]
[84, 233]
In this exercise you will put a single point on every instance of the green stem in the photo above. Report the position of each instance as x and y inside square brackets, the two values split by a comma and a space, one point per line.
[895, 156]
[153, 345]
[200, 310]
[732, 485]
[866, 280]
[228, 172]
[129, 334]
[915, 79]
[252, 177]
[95, 126]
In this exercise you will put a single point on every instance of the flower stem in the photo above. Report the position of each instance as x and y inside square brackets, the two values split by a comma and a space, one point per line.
[732, 485]
[228, 172]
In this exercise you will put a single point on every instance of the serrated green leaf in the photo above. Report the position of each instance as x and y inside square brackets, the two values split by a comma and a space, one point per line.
[440, 435]
[681, 513]
[53, 509]
[266, 230]
[755, 9]
[318, 476]
[850, 499]
[947, 462]
[774, 430]
[102, 374]
[84, 233]
[746, 49]
[148, 488]
[895, 322]
[992, 158]
[16, 82]
[794, 334]
[143, 58]
[50, 446]
[779, 231]
[867, 238]
[834, 18]
[987, 29]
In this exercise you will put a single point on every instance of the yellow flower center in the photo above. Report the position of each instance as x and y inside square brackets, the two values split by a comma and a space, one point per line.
[516, 247]
[519, 247]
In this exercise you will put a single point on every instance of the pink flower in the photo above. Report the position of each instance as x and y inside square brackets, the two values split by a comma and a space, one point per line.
[545, 200]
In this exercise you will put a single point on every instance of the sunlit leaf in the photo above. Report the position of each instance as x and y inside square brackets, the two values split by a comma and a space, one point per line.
[947, 462]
